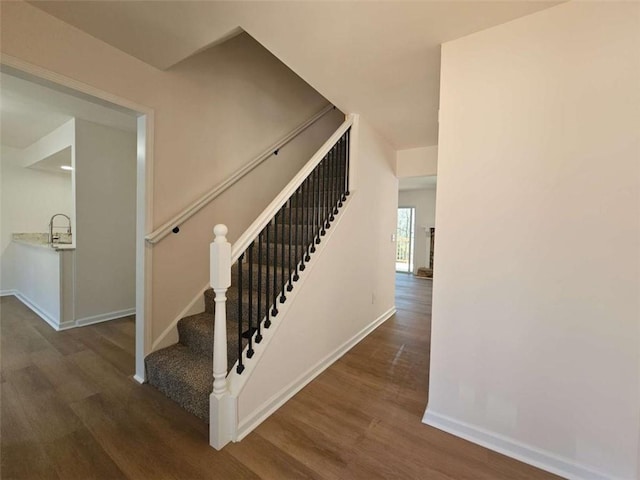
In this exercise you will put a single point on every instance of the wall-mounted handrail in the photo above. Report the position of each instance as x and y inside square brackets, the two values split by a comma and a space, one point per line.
[173, 224]
[265, 217]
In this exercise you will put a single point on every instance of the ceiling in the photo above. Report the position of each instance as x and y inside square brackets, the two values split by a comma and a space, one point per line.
[417, 183]
[54, 162]
[29, 111]
[380, 59]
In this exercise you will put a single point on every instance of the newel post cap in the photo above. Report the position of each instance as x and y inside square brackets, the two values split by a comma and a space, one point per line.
[220, 232]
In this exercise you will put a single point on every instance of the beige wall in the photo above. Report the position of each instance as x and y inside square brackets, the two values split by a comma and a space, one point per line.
[105, 261]
[213, 113]
[417, 162]
[535, 340]
[424, 201]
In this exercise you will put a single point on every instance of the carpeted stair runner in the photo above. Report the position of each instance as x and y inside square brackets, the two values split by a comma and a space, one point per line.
[184, 371]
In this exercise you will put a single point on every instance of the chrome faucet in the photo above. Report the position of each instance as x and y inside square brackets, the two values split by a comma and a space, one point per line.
[56, 238]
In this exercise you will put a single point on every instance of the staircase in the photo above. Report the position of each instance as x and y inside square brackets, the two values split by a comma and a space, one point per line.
[184, 371]
[261, 277]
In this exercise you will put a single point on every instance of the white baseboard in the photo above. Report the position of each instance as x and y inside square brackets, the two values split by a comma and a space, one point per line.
[37, 310]
[81, 322]
[103, 317]
[139, 379]
[6, 293]
[512, 448]
[271, 405]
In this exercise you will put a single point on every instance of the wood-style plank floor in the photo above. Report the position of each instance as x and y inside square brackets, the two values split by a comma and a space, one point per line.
[70, 410]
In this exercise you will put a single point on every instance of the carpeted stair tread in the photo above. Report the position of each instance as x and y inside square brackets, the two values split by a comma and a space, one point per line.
[232, 305]
[298, 215]
[310, 194]
[184, 376]
[275, 250]
[196, 333]
[183, 371]
[304, 233]
[256, 269]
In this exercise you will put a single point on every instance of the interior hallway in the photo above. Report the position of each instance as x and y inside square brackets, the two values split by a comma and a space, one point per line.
[70, 410]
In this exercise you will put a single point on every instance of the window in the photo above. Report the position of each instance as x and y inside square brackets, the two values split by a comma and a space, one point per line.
[404, 239]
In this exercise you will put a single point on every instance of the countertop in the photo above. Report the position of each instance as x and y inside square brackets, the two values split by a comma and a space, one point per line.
[41, 240]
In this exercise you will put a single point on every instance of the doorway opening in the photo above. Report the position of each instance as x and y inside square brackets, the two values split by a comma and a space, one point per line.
[103, 112]
[405, 239]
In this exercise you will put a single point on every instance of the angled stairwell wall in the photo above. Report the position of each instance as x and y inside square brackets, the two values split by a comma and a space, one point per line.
[255, 100]
[345, 292]
[237, 208]
[213, 113]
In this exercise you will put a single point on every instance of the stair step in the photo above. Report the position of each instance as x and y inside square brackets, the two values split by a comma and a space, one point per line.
[232, 307]
[196, 333]
[284, 231]
[184, 371]
[310, 193]
[186, 377]
[255, 277]
[273, 249]
[297, 215]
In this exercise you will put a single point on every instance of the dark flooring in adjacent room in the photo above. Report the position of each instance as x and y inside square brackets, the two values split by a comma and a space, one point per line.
[70, 410]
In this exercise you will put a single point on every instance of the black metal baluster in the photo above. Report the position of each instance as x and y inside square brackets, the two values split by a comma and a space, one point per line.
[290, 264]
[336, 161]
[304, 194]
[310, 239]
[328, 191]
[340, 179]
[267, 300]
[325, 192]
[274, 311]
[325, 163]
[334, 184]
[240, 367]
[296, 238]
[316, 208]
[283, 211]
[323, 196]
[327, 185]
[259, 319]
[249, 332]
[336, 180]
[309, 215]
[310, 200]
[303, 224]
[320, 201]
[316, 200]
[346, 166]
[332, 154]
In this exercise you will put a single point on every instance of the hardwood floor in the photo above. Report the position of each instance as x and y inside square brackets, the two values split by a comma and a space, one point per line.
[70, 410]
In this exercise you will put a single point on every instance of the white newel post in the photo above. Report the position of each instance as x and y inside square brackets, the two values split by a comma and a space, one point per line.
[222, 415]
